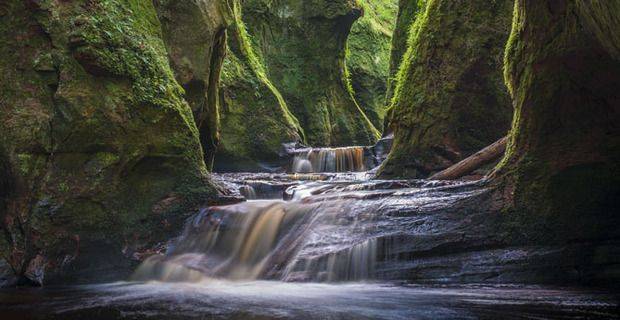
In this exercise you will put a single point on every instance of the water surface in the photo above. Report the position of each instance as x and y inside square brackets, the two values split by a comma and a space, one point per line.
[223, 299]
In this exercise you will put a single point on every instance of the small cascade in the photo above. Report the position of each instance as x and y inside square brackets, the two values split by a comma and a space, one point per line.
[345, 159]
[264, 240]
[248, 191]
[244, 241]
[337, 230]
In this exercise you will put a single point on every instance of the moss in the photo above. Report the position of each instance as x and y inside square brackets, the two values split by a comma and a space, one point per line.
[450, 100]
[560, 172]
[408, 11]
[368, 56]
[256, 120]
[95, 129]
[195, 38]
[302, 46]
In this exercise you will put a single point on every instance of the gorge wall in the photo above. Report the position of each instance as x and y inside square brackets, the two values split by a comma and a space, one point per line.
[450, 99]
[309, 72]
[408, 11]
[256, 119]
[560, 176]
[368, 56]
[302, 45]
[100, 155]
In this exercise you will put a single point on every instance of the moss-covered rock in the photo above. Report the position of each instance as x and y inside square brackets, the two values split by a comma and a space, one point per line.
[408, 11]
[99, 152]
[561, 172]
[368, 56]
[255, 118]
[450, 100]
[302, 46]
[195, 37]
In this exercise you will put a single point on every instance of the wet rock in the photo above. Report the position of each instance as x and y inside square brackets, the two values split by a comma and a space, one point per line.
[97, 142]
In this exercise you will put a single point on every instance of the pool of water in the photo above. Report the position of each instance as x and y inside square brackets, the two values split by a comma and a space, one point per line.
[223, 299]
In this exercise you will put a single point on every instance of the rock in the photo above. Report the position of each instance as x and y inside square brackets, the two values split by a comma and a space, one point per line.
[450, 99]
[302, 44]
[256, 120]
[95, 136]
[560, 177]
[195, 36]
[408, 11]
[368, 56]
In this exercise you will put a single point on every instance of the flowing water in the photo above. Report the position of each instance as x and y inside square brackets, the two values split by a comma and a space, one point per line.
[320, 246]
[329, 160]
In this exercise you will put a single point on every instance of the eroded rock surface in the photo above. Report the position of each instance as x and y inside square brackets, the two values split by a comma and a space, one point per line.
[100, 155]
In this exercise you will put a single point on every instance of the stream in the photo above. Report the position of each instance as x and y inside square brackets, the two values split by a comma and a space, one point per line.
[327, 245]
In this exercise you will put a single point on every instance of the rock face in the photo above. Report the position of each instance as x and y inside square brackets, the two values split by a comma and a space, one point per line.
[256, 120]
[408, 11]
[561, 173]
[368, 56]
[195, 36]
[302, 44]
[99, 152]
[450, 100]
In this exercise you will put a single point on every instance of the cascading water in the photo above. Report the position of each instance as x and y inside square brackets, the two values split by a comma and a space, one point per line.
[332, 230]
[343, 159]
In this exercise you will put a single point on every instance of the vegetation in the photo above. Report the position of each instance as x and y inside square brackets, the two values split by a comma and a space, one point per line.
[99, 148]
[368, 56]
[560, 174]
[450, 100]
[256, 120]
[302, 45]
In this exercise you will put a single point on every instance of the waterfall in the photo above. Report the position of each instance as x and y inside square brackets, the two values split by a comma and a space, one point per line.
[248, 191]
[329, 160]
[332, 230]
[264, 239]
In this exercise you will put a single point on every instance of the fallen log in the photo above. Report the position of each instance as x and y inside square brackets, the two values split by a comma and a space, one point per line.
[473, 162]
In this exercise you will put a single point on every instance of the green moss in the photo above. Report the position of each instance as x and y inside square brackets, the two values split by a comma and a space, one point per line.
[256, 120]
[302, 47]
[449, 99]
[560, 172]
[408, 11]
[95, 127]
[368, 55]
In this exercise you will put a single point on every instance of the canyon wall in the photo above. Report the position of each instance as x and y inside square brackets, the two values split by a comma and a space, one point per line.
[560, 176]
[450, 99]
[100, 156]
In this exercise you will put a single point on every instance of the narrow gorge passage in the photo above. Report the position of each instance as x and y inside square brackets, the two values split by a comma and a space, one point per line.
[309, 244]
[309, 159]
[304, 245]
